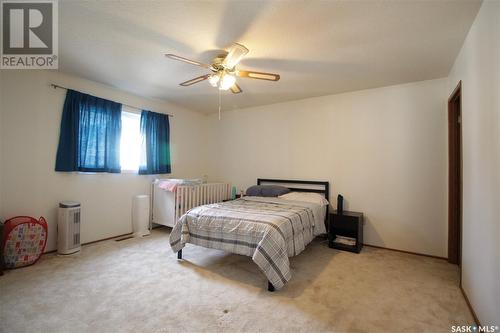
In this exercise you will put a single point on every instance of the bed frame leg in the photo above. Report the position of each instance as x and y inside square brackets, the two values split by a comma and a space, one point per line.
[270, 286]
[179, 254]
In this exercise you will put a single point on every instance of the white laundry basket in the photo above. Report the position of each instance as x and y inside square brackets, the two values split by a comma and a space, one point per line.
[140, 215]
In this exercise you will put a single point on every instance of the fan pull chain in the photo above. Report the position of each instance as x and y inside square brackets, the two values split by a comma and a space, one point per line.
[219, 102]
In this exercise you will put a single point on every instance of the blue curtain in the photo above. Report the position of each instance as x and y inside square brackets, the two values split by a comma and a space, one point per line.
[89, 140]
[155, 132]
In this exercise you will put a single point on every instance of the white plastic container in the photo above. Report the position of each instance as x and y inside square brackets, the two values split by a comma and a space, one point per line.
[140, 215]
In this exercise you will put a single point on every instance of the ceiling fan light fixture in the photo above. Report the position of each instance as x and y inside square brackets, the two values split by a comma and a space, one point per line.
[226, 82]
[214, 80]
[224, 71]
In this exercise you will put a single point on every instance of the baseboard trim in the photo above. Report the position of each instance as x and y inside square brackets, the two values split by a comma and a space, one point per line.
[478, 323]
[407, 252]
[96, 241]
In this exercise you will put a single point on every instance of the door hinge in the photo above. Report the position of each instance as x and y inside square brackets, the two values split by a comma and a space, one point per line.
[459, 120]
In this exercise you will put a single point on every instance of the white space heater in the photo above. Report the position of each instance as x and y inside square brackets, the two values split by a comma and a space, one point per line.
[68, 228]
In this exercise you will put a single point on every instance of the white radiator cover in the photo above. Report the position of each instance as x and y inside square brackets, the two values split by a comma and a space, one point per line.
[168, 207]
[68, 228]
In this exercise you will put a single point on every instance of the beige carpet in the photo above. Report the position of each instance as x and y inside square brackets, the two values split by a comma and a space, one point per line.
[138, 285]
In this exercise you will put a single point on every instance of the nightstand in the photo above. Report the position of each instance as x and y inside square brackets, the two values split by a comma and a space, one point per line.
[349, 224]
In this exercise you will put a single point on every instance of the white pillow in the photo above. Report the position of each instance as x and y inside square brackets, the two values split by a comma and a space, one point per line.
[306, 196]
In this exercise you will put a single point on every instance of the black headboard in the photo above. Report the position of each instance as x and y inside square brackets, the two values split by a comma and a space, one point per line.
[301, 186]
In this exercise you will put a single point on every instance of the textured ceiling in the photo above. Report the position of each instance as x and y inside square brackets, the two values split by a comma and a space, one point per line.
[318, 48]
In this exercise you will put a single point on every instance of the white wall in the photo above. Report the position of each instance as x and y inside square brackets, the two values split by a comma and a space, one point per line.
[31, 113]
[384, 149]
[478, 66]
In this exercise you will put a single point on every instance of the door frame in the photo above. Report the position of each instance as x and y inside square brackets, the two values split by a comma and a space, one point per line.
[455, 176]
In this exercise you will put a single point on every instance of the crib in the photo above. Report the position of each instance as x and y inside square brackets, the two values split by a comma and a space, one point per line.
[168, 207]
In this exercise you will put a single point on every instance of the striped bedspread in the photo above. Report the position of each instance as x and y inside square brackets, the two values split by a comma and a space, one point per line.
[267, 229]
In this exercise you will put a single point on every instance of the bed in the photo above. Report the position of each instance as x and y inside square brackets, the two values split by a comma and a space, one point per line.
[268, 229]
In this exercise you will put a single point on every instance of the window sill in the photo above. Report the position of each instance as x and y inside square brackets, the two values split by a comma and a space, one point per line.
[130, 172]
[106, 173]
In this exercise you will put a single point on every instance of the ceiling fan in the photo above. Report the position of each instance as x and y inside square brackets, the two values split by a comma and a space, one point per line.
[224, 70]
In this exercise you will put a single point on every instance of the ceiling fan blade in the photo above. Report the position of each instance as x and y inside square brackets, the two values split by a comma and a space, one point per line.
[195, 80]
[234, 56]
[235, 89]
[189, 61]
[258, 75]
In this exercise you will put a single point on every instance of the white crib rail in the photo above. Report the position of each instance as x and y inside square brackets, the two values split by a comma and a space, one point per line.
[189, 196]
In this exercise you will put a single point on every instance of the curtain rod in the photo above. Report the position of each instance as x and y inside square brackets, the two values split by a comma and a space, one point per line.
[130, 106]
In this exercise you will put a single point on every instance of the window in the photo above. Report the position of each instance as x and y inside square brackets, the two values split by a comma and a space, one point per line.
[130, 142]
[99, 135]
